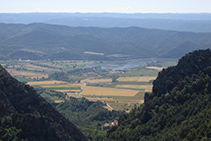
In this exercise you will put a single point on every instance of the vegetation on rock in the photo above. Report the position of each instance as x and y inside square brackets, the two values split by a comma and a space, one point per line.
[179, 107]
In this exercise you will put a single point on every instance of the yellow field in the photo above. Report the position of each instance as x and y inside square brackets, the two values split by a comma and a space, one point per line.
[46, 82]
[73, 95]
[99, 91]
[95, 53]
[138, 79]
[146, 87]
[97, 80]
[128, 79]
[13, 72]
[146, 78]
[58, 101]
[155, 68]
[130, 101]
[63, 86]
[102, 99]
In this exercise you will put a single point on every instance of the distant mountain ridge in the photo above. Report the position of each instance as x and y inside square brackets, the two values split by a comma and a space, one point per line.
[179, 108]
[195, 22]
[43, 41]
[26, 115]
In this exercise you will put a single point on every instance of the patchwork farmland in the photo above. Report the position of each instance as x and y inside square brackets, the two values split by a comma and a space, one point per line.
[109, 92]
[137, 79]
[121, 89]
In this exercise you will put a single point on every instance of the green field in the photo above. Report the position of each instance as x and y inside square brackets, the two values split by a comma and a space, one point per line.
[67, 77]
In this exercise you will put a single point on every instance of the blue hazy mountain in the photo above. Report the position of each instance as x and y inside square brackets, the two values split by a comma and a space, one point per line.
[200, 22]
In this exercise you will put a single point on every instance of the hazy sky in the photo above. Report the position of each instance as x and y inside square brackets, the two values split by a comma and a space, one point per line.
[120, 6]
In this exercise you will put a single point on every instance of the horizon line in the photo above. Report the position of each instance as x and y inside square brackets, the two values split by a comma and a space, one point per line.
[104, 13]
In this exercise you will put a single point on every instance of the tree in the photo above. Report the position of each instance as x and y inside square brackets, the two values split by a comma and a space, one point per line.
[114, 78]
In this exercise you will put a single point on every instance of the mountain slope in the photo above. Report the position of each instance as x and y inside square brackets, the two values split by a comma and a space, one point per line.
[179, 108]
[25, 115]
[43, 41]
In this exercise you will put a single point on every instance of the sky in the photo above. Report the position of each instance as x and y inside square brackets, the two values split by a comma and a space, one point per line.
[99, 6]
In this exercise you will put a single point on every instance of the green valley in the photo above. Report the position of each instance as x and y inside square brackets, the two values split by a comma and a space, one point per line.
[105, 83]
[120, 84]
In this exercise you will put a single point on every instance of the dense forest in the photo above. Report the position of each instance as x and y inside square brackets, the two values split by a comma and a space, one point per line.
[87, 115]
[19, 41]
[179, 108]
[25, 115]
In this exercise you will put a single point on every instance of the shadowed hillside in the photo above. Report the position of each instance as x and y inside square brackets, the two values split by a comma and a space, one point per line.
[25, 115]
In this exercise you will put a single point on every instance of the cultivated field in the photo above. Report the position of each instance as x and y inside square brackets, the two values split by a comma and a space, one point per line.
[138, 79]
[122, 95]
[114, 96]
[14, 72]
[37, 68]
[97, 80]
[51, 82]
[144, 87]
[68, 91]
[78, 85]
[74, 95]
[60, 86]
[58, 101]
[100, 91]
[155, 68]
[117, 100]
[95, 53]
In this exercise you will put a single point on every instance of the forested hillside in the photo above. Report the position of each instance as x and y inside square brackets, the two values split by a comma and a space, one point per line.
[43, 41]
[179, 108]
[27, 116]
[87, 115]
